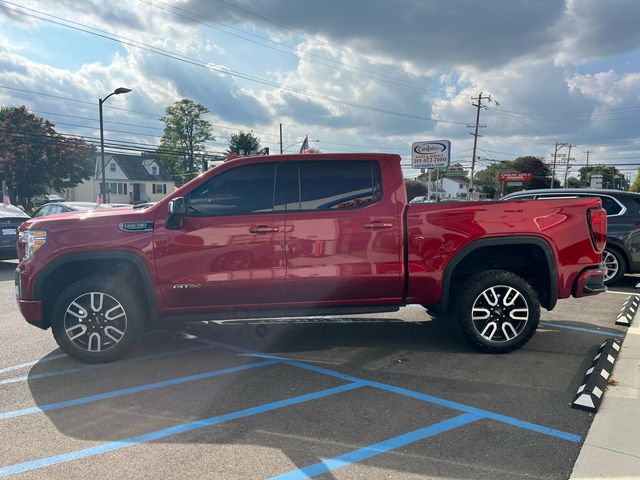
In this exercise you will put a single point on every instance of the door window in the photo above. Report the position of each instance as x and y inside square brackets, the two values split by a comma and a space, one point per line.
[243, 190]
[339, 185]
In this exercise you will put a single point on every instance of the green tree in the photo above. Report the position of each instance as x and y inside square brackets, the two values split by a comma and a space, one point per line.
[611, 176]
[488, 179]
[573, 182]
[34, 158]
[635, 187]
[540, 171]
[243, 143]
[184, 138]
[414, 189]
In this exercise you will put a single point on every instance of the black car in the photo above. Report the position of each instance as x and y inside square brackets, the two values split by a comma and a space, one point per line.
[622, 252]
[10, 219]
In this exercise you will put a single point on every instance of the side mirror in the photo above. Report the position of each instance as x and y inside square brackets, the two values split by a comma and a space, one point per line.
[176, 209]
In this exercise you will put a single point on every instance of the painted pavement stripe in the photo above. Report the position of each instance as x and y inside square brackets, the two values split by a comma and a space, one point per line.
[376, 449]
[580, 329]
[129, 391]
[83, 368]
[30, 364]
[167, 432]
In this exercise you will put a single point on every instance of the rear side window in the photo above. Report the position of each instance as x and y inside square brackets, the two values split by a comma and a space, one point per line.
[243, 190]
[611, 206]
[339, 185]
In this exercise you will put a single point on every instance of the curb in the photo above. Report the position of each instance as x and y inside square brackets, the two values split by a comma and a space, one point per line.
[628, 310]
[590, 393]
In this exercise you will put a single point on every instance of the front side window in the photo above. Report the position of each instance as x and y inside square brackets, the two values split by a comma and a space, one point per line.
[338, 185]
[242, 190]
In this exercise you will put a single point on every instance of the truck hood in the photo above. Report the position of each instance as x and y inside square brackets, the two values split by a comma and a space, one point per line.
[97, 218]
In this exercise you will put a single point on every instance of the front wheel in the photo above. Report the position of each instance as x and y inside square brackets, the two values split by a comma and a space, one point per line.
[97, 319]
[497, 311]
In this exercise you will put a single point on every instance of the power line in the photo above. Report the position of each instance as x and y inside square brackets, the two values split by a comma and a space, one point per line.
[183, 58]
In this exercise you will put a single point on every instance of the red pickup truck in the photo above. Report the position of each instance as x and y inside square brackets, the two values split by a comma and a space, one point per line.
[299, 235]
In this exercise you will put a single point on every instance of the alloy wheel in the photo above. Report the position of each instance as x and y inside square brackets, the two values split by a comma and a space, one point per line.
[95, 322]
[610, 262]
[500, 313]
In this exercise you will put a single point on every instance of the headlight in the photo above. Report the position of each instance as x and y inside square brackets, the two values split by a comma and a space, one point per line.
[32, 240]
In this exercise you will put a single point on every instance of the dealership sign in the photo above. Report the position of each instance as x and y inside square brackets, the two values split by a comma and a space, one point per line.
[515, 177]
[435, 154]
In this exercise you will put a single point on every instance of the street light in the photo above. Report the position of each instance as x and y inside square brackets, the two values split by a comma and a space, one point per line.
[117, 91]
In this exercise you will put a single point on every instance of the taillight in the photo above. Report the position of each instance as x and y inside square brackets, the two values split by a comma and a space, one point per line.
[598, 224]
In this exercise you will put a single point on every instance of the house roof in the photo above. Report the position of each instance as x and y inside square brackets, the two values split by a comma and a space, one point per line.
[133, 167]
[458, 180]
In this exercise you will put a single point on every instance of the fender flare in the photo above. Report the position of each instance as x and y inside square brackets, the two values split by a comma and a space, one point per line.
[497, 242]
[129, 257]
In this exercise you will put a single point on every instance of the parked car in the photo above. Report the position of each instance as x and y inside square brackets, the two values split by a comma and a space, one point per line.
[622, 253]
[297, 235]
[10, 219]
[64, 207]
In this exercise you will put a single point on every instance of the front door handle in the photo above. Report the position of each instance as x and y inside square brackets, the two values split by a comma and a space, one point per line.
[378, 225]
[262, 229]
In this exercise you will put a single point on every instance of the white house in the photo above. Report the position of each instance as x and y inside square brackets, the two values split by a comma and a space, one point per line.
[129, 178]
[455, 188]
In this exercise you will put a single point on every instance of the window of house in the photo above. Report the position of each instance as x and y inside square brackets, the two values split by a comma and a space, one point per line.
[338, 185]
[112, 167]
[159, 188]
[116, 188]
[154, 170]
[242, 190]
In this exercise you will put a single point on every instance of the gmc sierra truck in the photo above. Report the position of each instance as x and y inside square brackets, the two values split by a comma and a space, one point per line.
[297, 235]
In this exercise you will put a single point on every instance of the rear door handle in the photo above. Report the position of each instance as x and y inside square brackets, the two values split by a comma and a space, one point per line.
[262, 229]
[378, 225]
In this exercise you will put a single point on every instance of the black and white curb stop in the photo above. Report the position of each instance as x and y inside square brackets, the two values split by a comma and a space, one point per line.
[628, 310]
[589, 395]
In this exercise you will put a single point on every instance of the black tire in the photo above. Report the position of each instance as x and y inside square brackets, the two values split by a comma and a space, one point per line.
[504, 329]
[615, 263]
[81, 320]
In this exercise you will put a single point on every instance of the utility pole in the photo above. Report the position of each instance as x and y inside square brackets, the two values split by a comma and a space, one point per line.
[478, 105]
[280, 139]
[588, 152]
[555, 156]
[566, 172]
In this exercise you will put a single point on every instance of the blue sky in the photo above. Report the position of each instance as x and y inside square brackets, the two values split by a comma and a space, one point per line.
[353, 78]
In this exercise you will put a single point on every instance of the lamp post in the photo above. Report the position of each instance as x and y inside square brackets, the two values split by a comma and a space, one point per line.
[117, 91]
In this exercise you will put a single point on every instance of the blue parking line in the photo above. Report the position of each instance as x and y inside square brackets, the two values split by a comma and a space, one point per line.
[55, 373]
[580, 329]
[128, 391]
[413, 394]
[170, 431]
[30, 364]
[376, 449]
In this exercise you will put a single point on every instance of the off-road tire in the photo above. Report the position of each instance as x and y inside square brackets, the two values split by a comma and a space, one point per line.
[471, 293]
[113, 289]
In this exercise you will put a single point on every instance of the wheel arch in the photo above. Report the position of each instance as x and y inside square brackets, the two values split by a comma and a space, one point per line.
[514, 254]
[64, 269]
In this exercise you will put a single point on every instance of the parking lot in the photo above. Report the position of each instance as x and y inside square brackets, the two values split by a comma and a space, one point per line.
[394, 396]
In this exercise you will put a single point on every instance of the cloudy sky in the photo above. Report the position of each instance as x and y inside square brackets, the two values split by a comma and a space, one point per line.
[355, 75]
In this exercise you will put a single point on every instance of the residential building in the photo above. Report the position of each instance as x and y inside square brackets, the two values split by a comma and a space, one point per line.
[130, 179]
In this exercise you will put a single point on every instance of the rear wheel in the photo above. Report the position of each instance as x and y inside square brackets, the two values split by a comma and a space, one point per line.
[615, 264]
[497, 311]
[97, 319]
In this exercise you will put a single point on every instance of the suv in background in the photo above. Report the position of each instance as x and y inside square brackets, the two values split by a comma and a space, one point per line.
[10, 219]
[622, 252]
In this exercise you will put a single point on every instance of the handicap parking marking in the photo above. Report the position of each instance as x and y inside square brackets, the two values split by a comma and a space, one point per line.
[379, 448]
[581, 329]
[84, 368]
[410, 393]
[170, 431]
[130, 391]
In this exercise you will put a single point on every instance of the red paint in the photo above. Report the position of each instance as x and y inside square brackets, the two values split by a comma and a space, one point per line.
[352, 257]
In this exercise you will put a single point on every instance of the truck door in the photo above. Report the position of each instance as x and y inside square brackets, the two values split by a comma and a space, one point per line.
[343, 235]
[230, 249]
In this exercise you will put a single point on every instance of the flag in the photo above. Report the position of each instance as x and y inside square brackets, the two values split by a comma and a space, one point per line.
[6, 200]
[305, 145]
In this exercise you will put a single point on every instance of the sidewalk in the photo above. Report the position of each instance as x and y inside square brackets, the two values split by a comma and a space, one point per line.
[612, 447]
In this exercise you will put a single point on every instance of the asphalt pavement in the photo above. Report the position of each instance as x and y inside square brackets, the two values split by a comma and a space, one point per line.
[394, 396]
